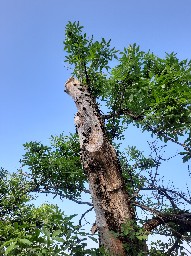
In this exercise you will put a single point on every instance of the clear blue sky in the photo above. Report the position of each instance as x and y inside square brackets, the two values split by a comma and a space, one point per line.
[33, 104]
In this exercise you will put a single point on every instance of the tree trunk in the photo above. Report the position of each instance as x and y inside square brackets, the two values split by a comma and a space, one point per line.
[110, 199]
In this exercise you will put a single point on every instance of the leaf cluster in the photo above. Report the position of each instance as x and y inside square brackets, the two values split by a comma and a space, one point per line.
[29, 230]
[143, 89]
[56, 168]
[89, 58]
[152, 92]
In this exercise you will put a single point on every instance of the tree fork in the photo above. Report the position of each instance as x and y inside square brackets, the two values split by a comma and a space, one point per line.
[100, 163]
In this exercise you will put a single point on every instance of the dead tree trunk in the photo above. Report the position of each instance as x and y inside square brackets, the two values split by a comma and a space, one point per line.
[110, 199]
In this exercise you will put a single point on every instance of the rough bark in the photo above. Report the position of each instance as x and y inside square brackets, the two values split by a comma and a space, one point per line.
[110, 199]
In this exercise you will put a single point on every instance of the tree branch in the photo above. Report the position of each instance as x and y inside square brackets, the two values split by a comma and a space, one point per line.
[121, 112]
[175, 246]
[182, 219]
[64, 196]
[181, 195]
[159, 133]
[83, 215]
[140, 117]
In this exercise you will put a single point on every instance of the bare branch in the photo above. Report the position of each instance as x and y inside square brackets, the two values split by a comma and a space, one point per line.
[86, 191]
[83, 215]
[174, 247]
[165, 190]
[179, 194]
[159, 133]
[65, 196]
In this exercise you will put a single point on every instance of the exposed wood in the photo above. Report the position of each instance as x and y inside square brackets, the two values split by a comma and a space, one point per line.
[110, 199]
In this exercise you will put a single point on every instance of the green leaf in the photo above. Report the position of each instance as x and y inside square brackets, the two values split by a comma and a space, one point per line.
[142, 237]
[131, 97]
[59, 239]
[46, 231]
[56, 233]
[10, 248]
[25, 241]
[93, 239]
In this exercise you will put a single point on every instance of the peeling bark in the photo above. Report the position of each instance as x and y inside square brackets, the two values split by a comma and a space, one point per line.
[110, 199]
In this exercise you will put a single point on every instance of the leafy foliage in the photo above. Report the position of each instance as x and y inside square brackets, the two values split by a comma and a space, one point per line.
[26, 229]
[57, 168]
[90, 59]
[142, 89]
[156, 92]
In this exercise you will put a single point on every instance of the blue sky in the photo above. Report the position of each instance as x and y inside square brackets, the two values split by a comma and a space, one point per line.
[33, 104]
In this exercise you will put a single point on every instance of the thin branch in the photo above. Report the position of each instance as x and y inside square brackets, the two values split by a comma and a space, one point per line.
[144, 207]
[140, 117]
[179, 194]
[175, 246]
[25, 174]
[121, 112]
[83, 215]
[159, 133]
[153, 187]
[86, 191]
[164, 193]
[65, 196]
[77, 201]
[183, 219]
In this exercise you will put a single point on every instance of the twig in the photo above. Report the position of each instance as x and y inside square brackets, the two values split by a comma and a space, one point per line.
[65, 196]
[159, 133]
[175, 246]
[121, 112]
[83, 215]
